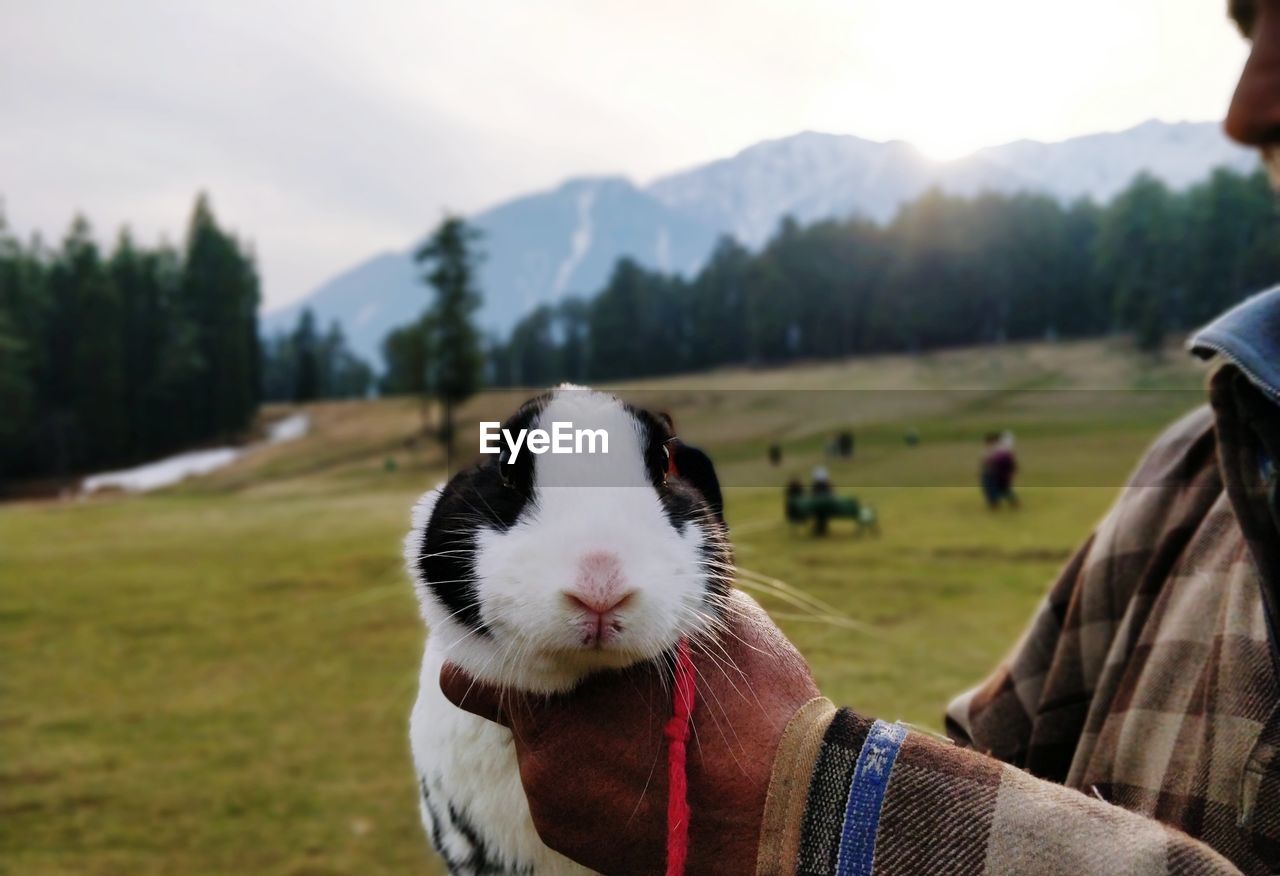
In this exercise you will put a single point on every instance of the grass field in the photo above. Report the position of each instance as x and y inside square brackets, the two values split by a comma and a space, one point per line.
[216, 679]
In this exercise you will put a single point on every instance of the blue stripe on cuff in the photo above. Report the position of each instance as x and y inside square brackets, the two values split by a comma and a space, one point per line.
[866, 795]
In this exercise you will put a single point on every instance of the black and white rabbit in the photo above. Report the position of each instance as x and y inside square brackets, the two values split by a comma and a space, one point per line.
[535, 572]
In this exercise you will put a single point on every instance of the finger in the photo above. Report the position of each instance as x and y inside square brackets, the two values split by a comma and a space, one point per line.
[471, 695]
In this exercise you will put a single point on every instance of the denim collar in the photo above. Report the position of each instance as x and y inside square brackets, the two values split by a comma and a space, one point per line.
[1248, 336]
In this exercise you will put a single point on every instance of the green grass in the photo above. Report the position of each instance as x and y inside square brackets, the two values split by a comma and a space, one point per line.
[217, 679]
[208, 686]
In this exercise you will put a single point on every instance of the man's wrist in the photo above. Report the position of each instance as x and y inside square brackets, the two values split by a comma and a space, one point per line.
[793, 765]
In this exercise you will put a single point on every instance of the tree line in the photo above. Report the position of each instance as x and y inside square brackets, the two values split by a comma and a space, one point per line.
[305, 364]
[946, 271]
[115, 358]
[109, 359]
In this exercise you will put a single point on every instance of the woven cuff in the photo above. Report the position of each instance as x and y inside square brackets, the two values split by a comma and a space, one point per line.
[789, 788]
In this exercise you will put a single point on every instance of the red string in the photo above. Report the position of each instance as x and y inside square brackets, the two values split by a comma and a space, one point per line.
[677, 733]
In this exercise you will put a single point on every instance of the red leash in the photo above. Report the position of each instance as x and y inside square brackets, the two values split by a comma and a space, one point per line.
[677, 733]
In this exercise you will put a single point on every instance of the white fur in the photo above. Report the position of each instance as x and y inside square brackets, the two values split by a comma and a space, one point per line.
[580, 504]
[473, 763]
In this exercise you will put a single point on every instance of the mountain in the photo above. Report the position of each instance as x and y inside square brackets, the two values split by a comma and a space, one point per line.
[537, 249]
[544, 246]
[815, 176]
[1101, 165]
[809, 176]
[368, 300]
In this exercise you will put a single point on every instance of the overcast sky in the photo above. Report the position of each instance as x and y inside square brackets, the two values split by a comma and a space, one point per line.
[326, 132]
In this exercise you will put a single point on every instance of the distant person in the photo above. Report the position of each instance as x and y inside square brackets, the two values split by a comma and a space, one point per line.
[1133, 728]
[999, 465]
[820, 485]
[911, 437]
[794, 493]
[821, 491]
[844, 444]
[1004, 468]
[986, 471]
[775, 455]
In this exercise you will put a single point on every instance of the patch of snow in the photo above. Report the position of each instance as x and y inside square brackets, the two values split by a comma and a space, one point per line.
[579, 243]
[163, 472]
[289, 429]
[172, 469]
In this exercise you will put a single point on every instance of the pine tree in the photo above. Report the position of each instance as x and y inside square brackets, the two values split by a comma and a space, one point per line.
[179, 364]
[18, 397]
[450, 260]
[17, 394]
[306, 351]
[405, 354]
[90, 416]
[220, 288]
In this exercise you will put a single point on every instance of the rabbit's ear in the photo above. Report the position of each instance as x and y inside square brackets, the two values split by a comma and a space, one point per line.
[696, 469]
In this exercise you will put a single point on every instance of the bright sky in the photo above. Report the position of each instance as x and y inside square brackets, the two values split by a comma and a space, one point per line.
[327, 132]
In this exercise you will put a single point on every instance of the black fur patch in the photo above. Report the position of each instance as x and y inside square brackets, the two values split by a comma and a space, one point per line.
[685, 498]
[490, 495]
[694, 467]
[452, 828]
[655, 434]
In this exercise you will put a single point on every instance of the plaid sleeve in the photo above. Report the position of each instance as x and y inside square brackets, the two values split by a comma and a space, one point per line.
[883, 800]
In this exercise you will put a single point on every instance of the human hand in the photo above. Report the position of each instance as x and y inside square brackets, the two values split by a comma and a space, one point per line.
[593, 761]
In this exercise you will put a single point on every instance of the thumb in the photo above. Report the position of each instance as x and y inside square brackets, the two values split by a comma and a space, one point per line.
[471, 695]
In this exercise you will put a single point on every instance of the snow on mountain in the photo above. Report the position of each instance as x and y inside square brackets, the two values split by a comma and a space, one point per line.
[809, 176]
[579, 243]
[542, 247]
